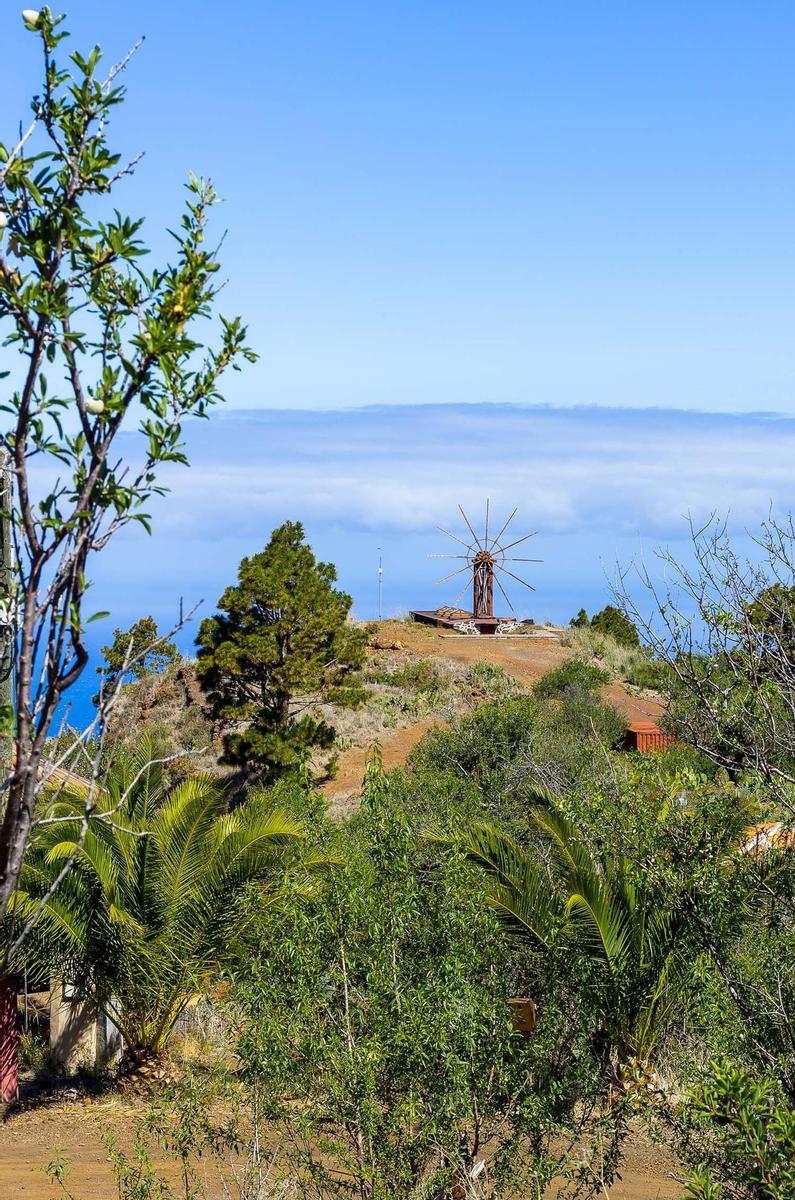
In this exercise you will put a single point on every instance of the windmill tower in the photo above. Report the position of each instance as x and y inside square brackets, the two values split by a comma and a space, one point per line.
[484, 558]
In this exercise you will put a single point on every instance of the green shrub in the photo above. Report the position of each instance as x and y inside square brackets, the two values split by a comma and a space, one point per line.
[491, 681]
[631, 664]
[376, 1035]
[611, 622]
[419, 675]
[647, 673]
[752, 1149]
[493, 760]
[574, 675]
[616, 625]
[583, 715]
[373, 676]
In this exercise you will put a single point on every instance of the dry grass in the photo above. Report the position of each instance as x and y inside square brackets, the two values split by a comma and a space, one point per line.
[403, 688]
[629, 665]
[169, 705]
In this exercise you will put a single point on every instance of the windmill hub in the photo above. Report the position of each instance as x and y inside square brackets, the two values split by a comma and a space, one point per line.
[484, 562]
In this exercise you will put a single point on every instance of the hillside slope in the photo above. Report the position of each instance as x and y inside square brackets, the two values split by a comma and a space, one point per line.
[417, 677]
[523, 659]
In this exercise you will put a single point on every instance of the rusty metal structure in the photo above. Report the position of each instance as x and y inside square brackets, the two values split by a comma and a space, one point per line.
[484, 558]
[646, 736]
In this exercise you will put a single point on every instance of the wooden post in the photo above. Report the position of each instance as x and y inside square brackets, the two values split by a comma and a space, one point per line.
[9, 1040]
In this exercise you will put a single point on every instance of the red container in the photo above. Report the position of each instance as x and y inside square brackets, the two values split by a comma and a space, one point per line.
[645, 736]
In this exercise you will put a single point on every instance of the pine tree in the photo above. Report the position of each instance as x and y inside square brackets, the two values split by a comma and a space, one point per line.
[617, 625]
[135, 652]
[280, 645]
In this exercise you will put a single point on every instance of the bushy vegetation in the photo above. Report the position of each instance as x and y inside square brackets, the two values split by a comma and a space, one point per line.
[146, 910]
[630, 663]
[575, 677]
[416, 675]
[421, 686]
[516, 858]
[365, 975]
[135, 653]
[611, 622]
[375, 1025]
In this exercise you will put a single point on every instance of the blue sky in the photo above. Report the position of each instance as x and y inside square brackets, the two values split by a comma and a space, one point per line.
[459, 202]
[581, 214]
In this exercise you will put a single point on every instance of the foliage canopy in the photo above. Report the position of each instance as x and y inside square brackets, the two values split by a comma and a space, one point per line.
[147, 909]
[97, 341]
[280, 645]
[136, 652]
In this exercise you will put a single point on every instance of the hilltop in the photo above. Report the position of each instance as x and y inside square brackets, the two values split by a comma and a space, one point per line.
[417, 677]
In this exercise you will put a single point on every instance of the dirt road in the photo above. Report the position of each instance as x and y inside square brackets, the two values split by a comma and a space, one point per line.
[30, 1140]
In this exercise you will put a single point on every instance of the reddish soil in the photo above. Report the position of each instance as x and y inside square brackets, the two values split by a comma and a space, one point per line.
[343, 790]
[525, 659]
[30, 1140]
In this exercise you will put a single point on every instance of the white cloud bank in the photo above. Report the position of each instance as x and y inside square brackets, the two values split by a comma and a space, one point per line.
[596, 483]
[604, 472]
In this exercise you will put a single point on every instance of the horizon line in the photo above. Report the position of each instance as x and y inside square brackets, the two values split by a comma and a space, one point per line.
[767, 415]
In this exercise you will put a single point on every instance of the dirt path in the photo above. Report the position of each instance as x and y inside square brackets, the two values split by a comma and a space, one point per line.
[29, 1140]
[526, 660]
[343, 791]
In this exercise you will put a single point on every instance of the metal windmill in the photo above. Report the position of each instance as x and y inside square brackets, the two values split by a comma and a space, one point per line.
[485, 558]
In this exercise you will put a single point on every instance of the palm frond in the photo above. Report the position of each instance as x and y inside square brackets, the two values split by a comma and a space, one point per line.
[159, 883]
[517, 886]
[180, 832]
[601, 922]
[571, 854]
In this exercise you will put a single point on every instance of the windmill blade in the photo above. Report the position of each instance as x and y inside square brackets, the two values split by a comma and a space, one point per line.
[506, 558]
[495, 541]
[466, 556]
[518, 541]
[505, 594]
[452, 575]
[486, 535]
[471, 530]
[516, 577]
[453, 536]
[460, 594]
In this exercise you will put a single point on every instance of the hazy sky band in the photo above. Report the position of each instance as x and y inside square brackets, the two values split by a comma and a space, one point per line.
[601, 486]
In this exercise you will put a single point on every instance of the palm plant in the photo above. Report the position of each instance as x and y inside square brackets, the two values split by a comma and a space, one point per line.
[148, 909]
[628, 938]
